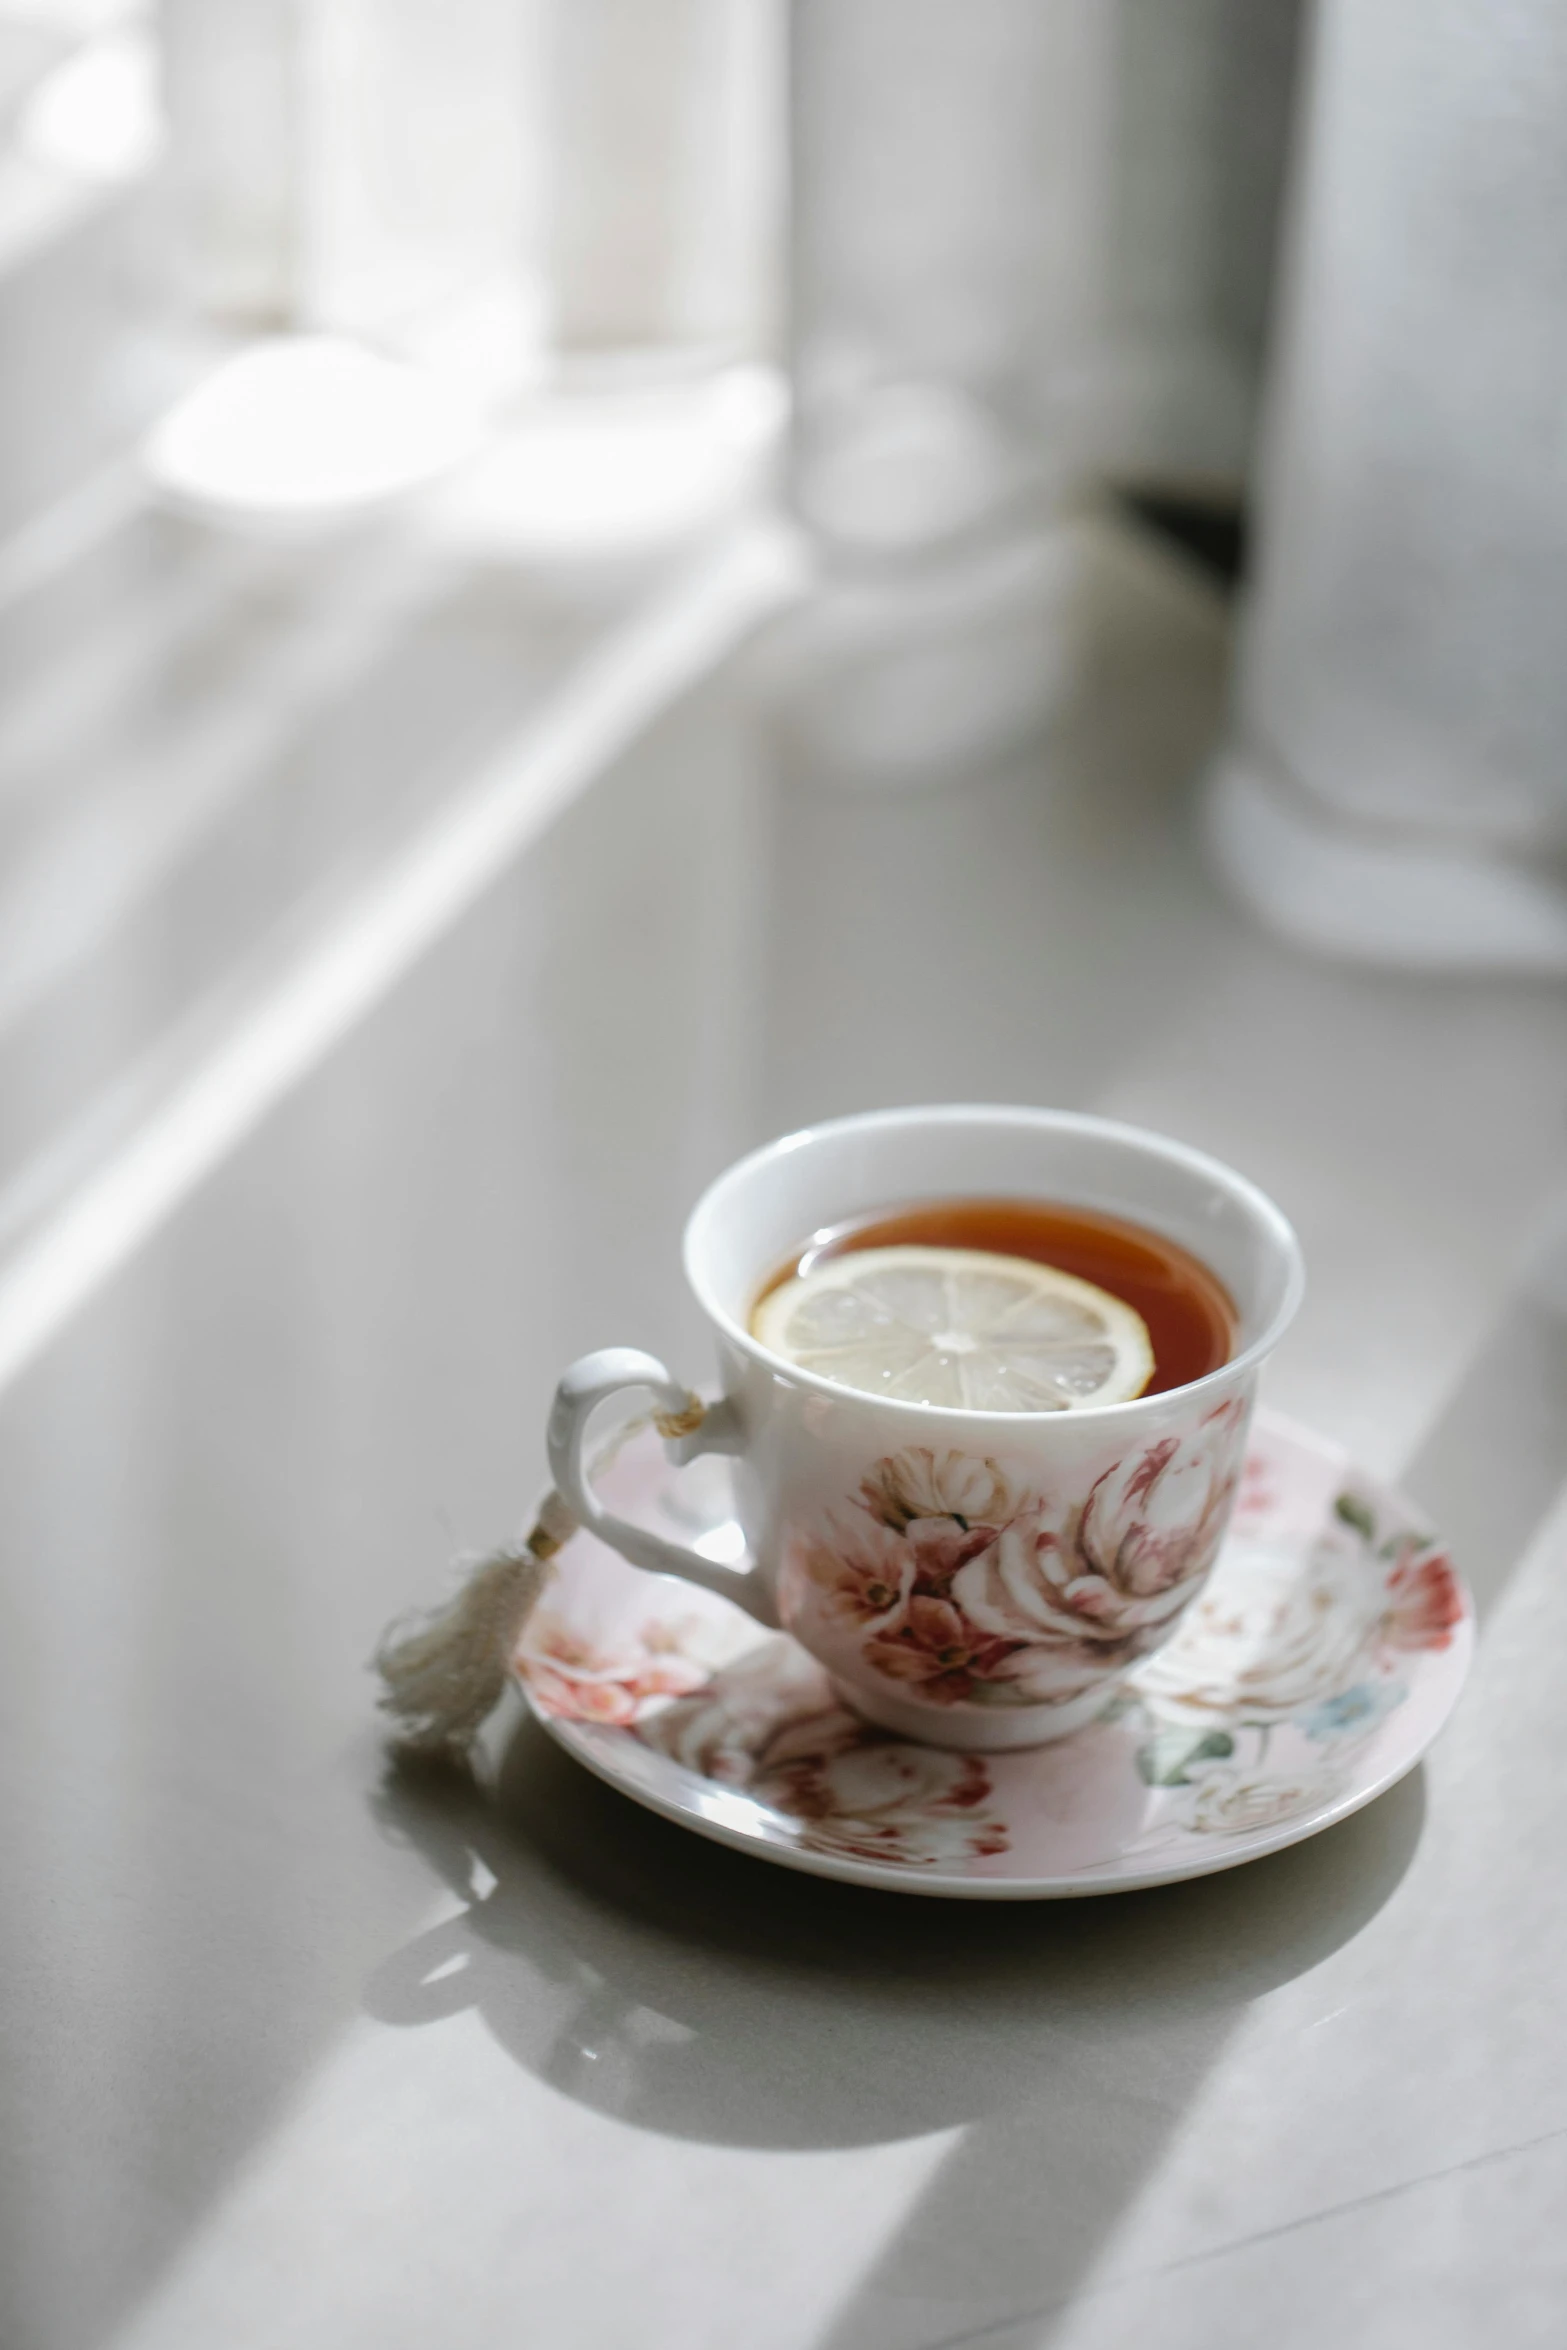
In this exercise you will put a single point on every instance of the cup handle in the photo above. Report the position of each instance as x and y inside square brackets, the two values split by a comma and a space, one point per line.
[617, 1370]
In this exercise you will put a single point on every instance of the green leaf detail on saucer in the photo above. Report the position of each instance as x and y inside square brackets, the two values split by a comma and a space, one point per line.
[1164, 1761]
[1354, 1512]
[1122, 1703]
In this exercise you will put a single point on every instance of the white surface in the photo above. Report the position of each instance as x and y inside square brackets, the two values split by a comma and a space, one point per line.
[1414, 903]
[294, 2053]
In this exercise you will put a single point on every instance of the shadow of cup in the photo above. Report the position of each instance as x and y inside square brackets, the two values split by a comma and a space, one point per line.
[700, 1993]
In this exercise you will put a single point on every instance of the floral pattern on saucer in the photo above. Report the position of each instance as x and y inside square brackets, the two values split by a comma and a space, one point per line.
[576, 1681]
[1313, 1670]
[617, 1674]
[772, 1725]
[1286, 1669]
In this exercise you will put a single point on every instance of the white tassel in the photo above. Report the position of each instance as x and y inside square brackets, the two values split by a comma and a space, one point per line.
[444, 1672]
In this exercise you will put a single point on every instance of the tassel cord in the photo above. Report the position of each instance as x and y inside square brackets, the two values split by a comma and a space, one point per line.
[443, 1671]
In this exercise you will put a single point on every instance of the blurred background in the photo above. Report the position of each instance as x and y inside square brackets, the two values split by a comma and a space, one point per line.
[392, 389]
[1076, 203]
[405, 403]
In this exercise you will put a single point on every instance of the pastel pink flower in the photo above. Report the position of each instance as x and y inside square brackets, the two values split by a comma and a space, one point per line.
[863, 1578]
[883, 1801]
[1106, 1587]
[566, 1649]
[920, 1483]
[937, 1547]
[1152, 1522]
[570, 1698]
[674, 1677]
[578, 1682]
[1424, 1604]
[936, 1650]
[1259, 1494]
[1030, 1587]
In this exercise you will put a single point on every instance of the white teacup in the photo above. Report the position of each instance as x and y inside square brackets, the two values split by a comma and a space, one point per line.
[973, 1579]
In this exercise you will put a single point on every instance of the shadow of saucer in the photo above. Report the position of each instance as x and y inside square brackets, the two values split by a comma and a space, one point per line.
[701, 1993]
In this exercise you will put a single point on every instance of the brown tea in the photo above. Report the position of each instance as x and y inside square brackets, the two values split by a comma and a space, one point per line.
[1188, 1312]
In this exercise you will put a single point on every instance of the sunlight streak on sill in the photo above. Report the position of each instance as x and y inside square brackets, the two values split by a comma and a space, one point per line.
[387, 926]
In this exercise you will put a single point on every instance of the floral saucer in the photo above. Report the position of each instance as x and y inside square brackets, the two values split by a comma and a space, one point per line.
[1319, 1664]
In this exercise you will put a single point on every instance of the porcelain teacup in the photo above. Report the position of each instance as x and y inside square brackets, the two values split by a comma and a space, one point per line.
[972, 1579]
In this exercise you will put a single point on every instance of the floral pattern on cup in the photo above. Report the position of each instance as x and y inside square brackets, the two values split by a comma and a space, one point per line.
[963, 1586]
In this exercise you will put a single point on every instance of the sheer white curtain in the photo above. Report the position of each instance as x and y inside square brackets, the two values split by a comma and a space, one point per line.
[490, 183]
[516, 193]
[1396, 787]
[526, 179]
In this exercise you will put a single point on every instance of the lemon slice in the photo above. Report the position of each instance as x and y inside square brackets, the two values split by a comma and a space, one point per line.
[961, 1328]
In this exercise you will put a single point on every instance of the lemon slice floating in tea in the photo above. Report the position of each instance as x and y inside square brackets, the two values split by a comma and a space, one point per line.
[960, 1328]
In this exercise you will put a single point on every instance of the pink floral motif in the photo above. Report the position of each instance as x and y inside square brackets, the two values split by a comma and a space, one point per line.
[1035, 1585]
[770, 1725]
[773, 1700]
[1155, 1523]
[577, 1682]
[862, 1576]
[939, 1546]
[879, 1800]
[936, 1648]
[919, 1483]
[1258, 1496]
[1425, 1605]
[977, 1592]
